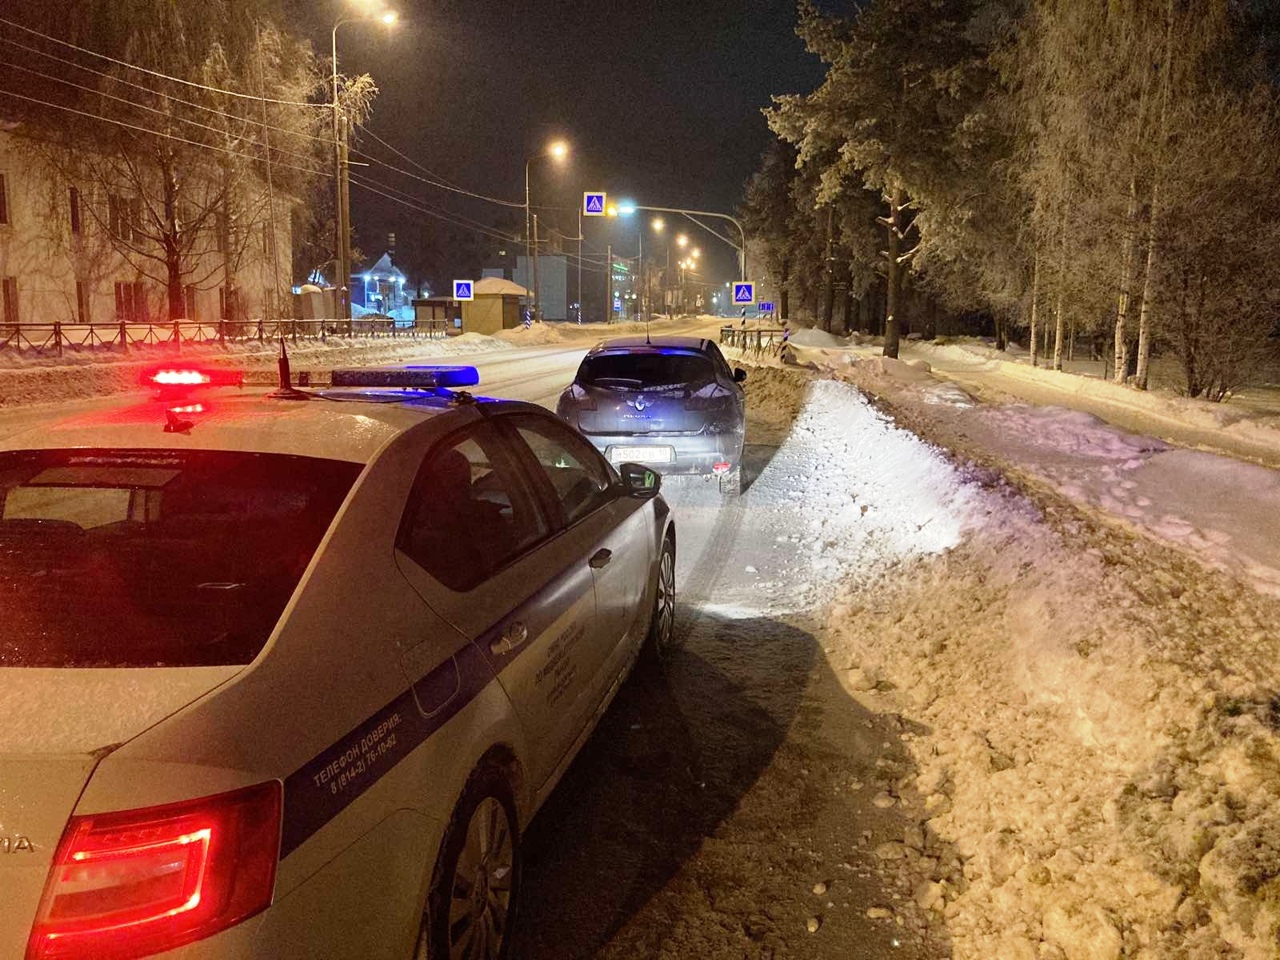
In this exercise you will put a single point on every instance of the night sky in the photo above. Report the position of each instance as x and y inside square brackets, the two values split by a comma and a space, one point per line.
[660, 101]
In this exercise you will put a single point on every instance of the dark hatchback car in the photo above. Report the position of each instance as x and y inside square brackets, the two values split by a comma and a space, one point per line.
[671, 403]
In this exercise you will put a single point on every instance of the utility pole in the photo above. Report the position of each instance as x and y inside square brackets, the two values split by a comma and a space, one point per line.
[644, 286]
[608, 274]
[537, 307]
[579, 263]
[346, 224]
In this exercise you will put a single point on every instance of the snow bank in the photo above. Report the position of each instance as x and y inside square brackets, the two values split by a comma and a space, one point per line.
[847, 490]
[1094, 723]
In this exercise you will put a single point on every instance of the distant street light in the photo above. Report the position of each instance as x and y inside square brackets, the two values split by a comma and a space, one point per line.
[683, 241]
[342, 186]
[557, 151]
[658, 224]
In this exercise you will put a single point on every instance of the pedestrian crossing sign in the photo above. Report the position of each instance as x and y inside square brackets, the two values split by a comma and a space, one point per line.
[744, 293]
[594, 205]
[463, 290]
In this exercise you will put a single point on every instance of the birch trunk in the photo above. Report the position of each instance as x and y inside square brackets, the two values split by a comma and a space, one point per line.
[1062, 285]
[1035, 307]
[1126, 283]
[894, 295]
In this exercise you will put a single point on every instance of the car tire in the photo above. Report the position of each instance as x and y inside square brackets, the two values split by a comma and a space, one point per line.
[660, 640]
[731, 482]
[476, 882]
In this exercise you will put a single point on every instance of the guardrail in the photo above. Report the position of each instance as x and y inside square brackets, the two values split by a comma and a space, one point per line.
[56, 336]
[756, 339]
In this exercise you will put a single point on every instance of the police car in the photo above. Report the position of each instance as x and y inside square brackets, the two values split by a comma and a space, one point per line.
[287, 674]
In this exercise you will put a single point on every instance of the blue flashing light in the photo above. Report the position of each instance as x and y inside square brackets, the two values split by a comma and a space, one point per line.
[409, 378]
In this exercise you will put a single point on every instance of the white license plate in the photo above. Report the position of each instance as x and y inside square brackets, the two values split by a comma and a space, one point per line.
[649, 454]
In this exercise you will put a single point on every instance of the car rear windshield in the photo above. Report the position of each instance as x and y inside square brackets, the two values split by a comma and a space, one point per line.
[117, 558]
[647, 370]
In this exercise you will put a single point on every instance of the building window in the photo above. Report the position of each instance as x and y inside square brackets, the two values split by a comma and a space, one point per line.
[75, 211]
[10, 291]
[123, 217]
[131, 302]
[189, 295]
[82, 302]
[4, 198]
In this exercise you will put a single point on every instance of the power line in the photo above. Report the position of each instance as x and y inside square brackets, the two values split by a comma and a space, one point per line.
[358, 181]
[437, 184]
[412, 162]
[154, 133]
[457, 216]
[154, 92]
[156, 73]
[141, 106]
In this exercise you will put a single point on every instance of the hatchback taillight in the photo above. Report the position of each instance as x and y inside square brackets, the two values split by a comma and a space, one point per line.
[582, 398]
[139, 882]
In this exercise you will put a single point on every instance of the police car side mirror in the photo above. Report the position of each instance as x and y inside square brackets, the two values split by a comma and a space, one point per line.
[739, 374]
[640, 482]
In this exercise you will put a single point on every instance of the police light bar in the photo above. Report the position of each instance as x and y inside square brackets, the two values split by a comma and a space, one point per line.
[411, 378]
[185, 377]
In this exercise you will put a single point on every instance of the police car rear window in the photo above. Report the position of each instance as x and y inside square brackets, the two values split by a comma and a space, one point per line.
[647, 370]
[116, 558]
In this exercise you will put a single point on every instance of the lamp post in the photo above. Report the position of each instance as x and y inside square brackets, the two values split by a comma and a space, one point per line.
[558, 150]
[341, 168]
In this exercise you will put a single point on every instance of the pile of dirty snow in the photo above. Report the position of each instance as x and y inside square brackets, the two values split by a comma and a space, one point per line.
[1094, 721]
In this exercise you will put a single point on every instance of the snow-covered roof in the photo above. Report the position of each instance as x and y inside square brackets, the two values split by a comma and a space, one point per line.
[383, 267]
[496, 286]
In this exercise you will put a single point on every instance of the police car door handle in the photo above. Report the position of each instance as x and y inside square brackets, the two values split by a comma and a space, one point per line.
[600, 559]
[513, 636]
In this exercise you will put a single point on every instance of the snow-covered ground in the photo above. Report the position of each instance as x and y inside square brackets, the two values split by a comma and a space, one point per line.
[1087, 679]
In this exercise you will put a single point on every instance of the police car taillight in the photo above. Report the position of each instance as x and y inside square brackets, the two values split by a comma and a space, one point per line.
[139, 882]
[176, 377]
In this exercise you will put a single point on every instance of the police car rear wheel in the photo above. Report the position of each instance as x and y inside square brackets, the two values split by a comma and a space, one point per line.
[477, 878]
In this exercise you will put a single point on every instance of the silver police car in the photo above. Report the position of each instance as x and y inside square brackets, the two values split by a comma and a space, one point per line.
[670, 402]
[287, 674]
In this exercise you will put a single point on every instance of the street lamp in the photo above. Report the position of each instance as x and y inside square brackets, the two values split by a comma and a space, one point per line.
[556, 151]
[683, 241]
[342, 186]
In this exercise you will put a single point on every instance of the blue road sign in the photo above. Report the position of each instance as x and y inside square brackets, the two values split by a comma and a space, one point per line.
[463, 290]
[766, 306]
[744, 293]
[594, 205]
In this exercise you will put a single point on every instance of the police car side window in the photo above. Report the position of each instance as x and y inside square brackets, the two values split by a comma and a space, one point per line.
[579, 476]
[467, 516]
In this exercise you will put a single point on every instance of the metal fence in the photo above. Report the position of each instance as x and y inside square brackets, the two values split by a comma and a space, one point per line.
[56, 337]
[755, 339]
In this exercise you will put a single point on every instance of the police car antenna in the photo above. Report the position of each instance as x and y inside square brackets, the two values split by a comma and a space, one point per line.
[286, 390]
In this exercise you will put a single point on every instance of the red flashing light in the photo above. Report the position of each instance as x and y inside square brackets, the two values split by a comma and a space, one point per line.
[189, 408]
[171, 377]
[721, 467]
[140, 882]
